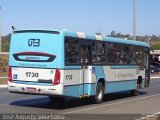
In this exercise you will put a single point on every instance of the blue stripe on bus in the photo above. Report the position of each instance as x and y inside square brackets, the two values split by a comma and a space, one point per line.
[99, 71]
[72, 91]
[90, 36]
[70, 34]
[89, 89]
[118, 86]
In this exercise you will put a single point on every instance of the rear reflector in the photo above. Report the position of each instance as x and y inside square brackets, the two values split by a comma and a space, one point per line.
[57, 77]
[10, 74]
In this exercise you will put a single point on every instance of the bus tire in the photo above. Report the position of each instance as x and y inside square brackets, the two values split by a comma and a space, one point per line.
[136, 91]
[99, 93]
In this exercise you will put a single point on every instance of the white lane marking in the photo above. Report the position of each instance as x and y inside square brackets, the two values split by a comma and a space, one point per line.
[84, 109]
[111, 109]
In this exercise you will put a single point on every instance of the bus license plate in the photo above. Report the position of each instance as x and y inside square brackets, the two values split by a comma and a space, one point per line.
[31, 89]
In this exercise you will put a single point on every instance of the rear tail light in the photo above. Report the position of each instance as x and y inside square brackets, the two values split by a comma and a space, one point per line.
[57, 77]
[10, 74]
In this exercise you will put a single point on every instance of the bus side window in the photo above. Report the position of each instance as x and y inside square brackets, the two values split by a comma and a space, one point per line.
[98, 53]
[131, 53]
[71, 51]
[111, 53]
[139, 56]
[125, 54]
[120, 54]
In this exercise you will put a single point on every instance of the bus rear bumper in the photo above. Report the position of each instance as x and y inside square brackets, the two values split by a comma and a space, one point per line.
[35, 89]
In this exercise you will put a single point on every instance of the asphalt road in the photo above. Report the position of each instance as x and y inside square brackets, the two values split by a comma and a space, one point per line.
[148, 102]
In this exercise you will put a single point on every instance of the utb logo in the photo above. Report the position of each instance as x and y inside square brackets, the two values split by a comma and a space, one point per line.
[34, 42]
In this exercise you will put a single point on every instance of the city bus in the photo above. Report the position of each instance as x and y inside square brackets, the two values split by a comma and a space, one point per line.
[61, 64]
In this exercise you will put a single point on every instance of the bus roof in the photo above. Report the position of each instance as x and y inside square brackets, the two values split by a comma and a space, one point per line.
[109, 39]
[88, 36]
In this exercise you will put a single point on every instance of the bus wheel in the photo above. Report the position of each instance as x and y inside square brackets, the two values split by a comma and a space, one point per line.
[99, 93]
[136, 91]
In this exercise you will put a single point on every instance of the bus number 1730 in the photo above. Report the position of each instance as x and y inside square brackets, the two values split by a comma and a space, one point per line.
[32, 74]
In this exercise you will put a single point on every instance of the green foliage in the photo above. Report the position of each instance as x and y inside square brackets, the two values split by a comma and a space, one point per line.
[6, 43]
[5, 47]
[156, 47]
[3, 62]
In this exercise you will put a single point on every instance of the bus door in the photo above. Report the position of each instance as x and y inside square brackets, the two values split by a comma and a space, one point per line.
[85, 59]
[147, 69]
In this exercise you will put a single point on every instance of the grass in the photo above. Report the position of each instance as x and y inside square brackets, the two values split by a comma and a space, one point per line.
[3, 74]
[155, 45]
[3, 69]
[3, 81]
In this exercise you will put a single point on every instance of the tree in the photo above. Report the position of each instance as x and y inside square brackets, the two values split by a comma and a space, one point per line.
[113, 33]
[119, 34]
[6, 42]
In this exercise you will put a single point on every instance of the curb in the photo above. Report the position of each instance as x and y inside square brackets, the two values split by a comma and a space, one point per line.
[3, 86]
[155, 77]
[3, 77]
[154, 116]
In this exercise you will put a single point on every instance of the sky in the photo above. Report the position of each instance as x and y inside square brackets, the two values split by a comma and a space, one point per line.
[89, 16]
